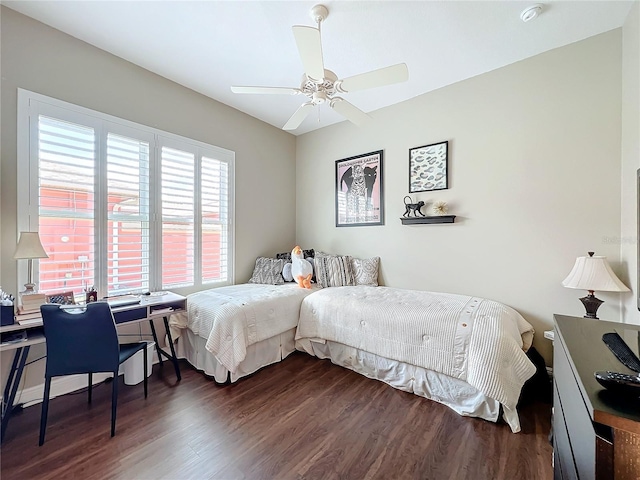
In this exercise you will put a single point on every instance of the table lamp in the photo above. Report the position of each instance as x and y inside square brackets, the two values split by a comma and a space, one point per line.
[593, 273]
[29, 247]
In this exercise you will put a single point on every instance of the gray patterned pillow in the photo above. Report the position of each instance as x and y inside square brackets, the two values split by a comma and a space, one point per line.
[365, 270]
[333, 270]
[268, 271]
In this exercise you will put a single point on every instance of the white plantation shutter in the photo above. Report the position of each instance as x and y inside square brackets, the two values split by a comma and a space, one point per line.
[214, 199]
[121, 206]
[178, 217]
[67, 158]
[128, 215]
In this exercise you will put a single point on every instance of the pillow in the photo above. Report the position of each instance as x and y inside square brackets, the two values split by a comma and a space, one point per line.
[286, 256]
[333, 271]
[365, 270]
[268, 271]
[286, 272]
[311, 260]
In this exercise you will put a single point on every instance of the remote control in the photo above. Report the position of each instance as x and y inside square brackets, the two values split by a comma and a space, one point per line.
[619, 382]
[622, 351]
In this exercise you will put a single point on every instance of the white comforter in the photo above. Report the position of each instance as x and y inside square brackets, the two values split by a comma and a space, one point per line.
[476, 340]
[235, 317]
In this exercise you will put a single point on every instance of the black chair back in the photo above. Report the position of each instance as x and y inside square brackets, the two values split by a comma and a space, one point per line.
[80, 340]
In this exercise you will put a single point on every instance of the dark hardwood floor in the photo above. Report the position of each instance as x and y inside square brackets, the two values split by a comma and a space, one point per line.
[301, 418]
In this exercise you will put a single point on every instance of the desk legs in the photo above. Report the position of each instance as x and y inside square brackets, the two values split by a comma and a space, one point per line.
[161, 352]
[174, 359]
[10, 389]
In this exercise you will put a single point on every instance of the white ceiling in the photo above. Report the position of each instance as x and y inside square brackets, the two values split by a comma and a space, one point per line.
[210, 45]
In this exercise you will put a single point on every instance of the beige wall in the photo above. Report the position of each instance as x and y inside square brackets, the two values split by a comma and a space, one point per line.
[534, 179]
[38, 58]
[630, 162]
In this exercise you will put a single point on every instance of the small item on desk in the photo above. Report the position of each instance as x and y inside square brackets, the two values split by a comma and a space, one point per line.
[29, 321]
[6, 308]
[122, 300]
[14, 337]
[32, 302]
[90, 294]
[162, 310]
[27, 316]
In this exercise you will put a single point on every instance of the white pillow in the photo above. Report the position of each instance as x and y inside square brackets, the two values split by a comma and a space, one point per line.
[333, 270]
[365, 270]
[268, 271]
[286, 272]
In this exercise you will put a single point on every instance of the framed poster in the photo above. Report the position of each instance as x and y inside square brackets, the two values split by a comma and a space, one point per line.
[359, 194]
[428, 167]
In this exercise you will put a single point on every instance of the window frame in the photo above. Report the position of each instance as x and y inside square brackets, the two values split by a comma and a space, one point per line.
[31, 105]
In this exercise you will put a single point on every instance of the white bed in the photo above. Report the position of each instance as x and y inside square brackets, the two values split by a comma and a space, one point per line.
[465, 352]
[230, 332]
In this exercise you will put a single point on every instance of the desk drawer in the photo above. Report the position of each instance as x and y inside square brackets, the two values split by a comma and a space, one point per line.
[131, 315]
[577, 418]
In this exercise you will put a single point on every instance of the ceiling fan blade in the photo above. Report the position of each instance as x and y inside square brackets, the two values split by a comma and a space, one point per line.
[297, 118]
[267, 90]
[310, 49]
[376, 78]
[349, 111]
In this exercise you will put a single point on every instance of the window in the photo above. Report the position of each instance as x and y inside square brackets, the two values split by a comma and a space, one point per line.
[120, 206]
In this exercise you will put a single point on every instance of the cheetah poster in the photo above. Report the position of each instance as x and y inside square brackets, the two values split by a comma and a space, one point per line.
[359, 190]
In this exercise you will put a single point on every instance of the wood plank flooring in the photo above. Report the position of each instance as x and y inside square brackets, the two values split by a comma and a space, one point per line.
[303, 418]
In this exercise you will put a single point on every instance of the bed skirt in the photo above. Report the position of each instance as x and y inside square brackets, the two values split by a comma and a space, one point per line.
[452, 392]
[191, 347]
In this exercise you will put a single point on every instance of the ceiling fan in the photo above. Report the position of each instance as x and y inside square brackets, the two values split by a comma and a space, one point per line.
[320, 85]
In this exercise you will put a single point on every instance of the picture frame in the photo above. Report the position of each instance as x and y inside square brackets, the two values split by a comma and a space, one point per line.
[359, 190]
[429, 167]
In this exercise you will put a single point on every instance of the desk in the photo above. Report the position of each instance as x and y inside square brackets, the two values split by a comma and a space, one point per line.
[149, 308]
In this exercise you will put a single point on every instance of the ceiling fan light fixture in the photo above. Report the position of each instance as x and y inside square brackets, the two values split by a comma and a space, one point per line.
[319, 97]
[531, 12]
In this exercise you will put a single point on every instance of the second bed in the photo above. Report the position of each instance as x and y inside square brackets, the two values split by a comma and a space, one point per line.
[230, 332]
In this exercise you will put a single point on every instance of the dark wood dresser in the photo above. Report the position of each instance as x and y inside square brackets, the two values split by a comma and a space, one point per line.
[596, 433]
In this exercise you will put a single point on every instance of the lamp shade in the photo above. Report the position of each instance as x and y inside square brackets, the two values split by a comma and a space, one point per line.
[29, 246]
[594, 273]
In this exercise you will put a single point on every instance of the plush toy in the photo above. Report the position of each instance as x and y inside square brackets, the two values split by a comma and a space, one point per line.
[300, 268]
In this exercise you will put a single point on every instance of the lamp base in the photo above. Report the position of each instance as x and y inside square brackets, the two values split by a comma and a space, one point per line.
[591, 305]
[29, 289]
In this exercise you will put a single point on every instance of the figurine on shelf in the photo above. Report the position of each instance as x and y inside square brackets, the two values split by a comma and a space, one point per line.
[440, 208]
[412, 207]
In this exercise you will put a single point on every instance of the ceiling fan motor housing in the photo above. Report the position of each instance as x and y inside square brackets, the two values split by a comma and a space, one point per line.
[319, 92]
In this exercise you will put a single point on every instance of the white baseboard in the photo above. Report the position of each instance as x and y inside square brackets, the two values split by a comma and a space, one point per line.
[59, 386]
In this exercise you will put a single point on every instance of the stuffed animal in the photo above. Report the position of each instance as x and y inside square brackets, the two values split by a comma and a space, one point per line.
[300, 268]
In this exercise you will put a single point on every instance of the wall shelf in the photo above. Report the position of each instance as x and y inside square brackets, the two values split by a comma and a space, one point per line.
[423, 220]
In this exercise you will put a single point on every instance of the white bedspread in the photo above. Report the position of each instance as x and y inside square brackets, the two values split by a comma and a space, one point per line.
[476, 340]
[235, 317]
